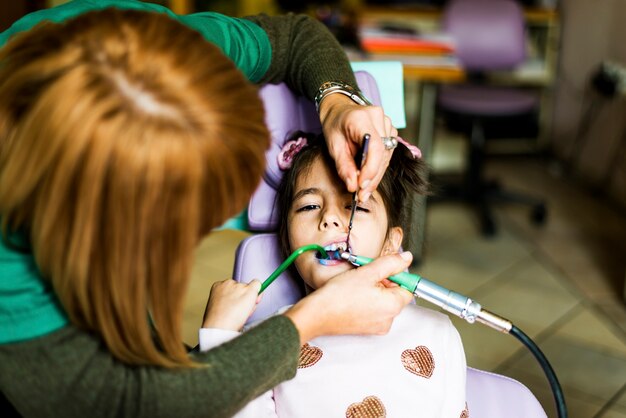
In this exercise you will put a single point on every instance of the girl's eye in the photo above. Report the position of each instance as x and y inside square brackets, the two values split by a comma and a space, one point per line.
[307, 208]
[358, 208]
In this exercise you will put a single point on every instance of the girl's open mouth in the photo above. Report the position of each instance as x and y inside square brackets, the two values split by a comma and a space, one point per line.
[334, 251]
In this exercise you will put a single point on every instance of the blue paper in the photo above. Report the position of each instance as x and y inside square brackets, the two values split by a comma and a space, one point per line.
[388, 76]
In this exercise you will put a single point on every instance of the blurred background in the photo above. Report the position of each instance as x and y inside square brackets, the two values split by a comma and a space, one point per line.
[557, 266]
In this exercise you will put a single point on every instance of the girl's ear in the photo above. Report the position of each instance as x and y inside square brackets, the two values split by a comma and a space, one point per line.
[394, 240]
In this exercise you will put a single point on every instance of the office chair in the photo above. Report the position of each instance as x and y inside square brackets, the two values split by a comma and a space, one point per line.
[489, 35]
[489, 395]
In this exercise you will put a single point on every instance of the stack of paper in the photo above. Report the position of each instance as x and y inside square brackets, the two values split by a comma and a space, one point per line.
[430, 50]
[380, 41]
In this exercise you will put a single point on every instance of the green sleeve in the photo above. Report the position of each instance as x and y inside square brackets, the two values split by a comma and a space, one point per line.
[292, 48]
[70, 373]
[304, 53]
[245, 43]
[72, 9]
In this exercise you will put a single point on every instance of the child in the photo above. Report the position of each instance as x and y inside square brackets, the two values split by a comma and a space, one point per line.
[418, 368]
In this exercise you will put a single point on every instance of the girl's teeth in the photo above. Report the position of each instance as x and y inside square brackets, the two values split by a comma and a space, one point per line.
[342, 246]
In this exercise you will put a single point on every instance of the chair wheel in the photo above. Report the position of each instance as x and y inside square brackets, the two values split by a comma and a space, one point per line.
[539, 214]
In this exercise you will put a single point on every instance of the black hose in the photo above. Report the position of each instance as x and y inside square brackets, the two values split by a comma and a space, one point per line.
[561, 409]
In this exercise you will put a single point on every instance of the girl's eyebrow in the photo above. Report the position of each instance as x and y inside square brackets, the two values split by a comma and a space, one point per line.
[315, 190]
[373, 199]
[304, 192]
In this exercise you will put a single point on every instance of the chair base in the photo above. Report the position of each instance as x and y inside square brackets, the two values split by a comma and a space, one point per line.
[481, 196]
[479, 192]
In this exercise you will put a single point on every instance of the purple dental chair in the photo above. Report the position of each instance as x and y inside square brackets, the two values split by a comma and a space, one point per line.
[489, 395]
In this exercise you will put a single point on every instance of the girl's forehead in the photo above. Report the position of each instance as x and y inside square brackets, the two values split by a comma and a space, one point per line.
[319, 173]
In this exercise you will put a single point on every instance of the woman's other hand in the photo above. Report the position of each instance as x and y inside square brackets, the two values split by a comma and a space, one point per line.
[355, 302]
[344, 124]
[231, 304]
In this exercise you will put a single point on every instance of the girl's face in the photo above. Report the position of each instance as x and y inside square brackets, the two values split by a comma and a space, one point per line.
[320, 213]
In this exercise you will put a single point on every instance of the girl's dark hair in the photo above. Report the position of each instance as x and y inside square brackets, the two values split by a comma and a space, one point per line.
[404, 175]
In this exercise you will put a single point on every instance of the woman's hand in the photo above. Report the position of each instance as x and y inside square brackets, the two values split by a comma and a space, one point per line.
[345, 123]
[354, 302]
[231, 304]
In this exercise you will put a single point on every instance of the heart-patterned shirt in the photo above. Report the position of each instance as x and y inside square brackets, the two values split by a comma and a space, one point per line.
[416, 370]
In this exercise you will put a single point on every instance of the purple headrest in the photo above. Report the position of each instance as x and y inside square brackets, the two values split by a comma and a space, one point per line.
[285, 114]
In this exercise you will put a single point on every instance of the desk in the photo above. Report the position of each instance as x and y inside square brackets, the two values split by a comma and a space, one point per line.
[538, 72]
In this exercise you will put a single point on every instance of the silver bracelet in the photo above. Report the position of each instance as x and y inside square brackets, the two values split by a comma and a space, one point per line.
[332, 87]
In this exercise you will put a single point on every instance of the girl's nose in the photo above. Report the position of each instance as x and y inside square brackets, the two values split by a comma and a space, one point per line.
[331, 219]
[334, 223]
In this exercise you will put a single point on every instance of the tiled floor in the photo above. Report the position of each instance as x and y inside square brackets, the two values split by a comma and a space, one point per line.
[561, 284]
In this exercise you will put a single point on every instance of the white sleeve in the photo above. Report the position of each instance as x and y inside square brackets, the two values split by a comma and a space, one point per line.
[209, 338]
[261, 407]
[456, 371]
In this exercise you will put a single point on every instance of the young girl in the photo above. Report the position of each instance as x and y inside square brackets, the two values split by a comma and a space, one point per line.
[418, 368]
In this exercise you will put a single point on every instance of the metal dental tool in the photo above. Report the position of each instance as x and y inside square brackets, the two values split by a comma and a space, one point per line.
[361, 161]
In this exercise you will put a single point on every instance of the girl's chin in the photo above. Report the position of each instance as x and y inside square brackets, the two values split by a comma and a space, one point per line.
[323, 273]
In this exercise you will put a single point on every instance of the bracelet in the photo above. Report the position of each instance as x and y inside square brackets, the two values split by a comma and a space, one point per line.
[332, 87]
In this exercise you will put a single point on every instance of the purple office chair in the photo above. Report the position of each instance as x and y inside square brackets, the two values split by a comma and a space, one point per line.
[488, 395]
[489, 35]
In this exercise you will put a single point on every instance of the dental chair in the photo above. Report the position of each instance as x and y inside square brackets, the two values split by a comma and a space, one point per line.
[489, 395]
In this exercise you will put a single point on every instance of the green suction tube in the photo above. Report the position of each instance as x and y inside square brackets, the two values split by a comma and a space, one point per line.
[406, 280]
[289, 261]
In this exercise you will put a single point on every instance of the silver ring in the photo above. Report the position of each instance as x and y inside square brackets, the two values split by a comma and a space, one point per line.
[390, 142]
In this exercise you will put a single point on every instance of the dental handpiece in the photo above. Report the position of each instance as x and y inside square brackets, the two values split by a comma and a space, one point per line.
[452, 302]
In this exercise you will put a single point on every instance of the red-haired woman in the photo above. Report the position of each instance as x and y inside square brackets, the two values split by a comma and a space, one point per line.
[125, 137]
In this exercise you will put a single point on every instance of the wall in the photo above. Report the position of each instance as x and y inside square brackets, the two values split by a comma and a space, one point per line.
[592, 31]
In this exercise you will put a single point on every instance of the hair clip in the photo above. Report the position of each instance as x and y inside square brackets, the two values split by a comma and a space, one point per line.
[412, 148]
[289, 151]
